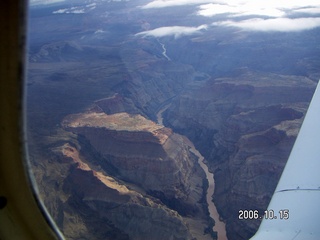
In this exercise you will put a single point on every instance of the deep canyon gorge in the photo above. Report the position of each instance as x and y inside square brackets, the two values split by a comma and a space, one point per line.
[134, 137]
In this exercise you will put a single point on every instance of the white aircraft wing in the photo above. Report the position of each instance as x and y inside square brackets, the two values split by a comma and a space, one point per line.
[294, 210]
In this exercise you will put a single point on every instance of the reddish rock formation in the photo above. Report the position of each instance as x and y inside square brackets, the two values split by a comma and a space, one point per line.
[143, 152]
[148, 157]
[134, 214]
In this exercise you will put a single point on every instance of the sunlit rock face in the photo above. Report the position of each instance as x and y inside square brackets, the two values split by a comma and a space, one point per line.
[143, 152]
[135, 215]
[146, 156]
[254, 120]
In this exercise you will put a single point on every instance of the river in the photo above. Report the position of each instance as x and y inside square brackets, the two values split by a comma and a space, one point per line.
[219, 226]
[164, 52]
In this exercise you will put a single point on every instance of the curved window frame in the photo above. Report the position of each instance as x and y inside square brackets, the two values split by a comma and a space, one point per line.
[22, 213]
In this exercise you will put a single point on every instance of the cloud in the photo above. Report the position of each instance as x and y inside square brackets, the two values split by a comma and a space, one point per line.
[271, 8]
[209, 10]
[73, 10]
[176, 31]
[241, 4]
[91, 6]
[277, 13]
[44, 2]
[274, 24]
[60, 11]
[312, 10]
[99, 31]
[77, 11]
[261, 15]
[172, 3]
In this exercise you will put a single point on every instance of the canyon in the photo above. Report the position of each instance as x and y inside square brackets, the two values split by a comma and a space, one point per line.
[127, 135]
[156, 189]
[219, 226]
[247, 139]
[245, 143]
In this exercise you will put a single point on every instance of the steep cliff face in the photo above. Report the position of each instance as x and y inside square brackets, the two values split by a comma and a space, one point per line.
[115, 104]
[135, 215]
[152, 80]
[254, 120]
[144, 153]
[250, 174]
[156, 189]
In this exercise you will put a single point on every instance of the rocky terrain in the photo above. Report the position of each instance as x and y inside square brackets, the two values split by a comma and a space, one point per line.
[245, 127]
[144, 153]
[134, 215]
[135, 178]
[95, 86]
[114, 140]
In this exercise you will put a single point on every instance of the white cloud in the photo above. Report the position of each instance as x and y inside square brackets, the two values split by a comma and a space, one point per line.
[99, 31]
[211, 9]
[274, 24]
[271, 8]
[60, 11]
[276, 14]
[261, 12]
[313, 10]
[176, 31]
[77, 11]
[74, 10]
[172, 3]
[44, 2]
[249, 4]
[91, 5]
[70, 10]
[275, 10]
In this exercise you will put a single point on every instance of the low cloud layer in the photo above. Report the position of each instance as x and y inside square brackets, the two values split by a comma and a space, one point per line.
[311, 11]
[274, 24]
[211, 9]
[76, 10]
[242, 5]
[173, 3]
[176, 31]
[73, 10]
[261, 15]
[44, 2]
[271, 8]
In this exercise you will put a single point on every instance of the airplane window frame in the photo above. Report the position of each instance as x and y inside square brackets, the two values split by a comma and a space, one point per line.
[22, 213]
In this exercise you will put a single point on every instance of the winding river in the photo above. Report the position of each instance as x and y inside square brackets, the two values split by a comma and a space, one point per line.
[219, 226]
[164, 52]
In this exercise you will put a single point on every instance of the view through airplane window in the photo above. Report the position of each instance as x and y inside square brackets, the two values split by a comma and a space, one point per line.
[166, 119]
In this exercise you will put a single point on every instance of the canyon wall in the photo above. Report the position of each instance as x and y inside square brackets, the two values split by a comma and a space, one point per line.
[245, 127]
[136, 178]
[144, 153]
[126, 211]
